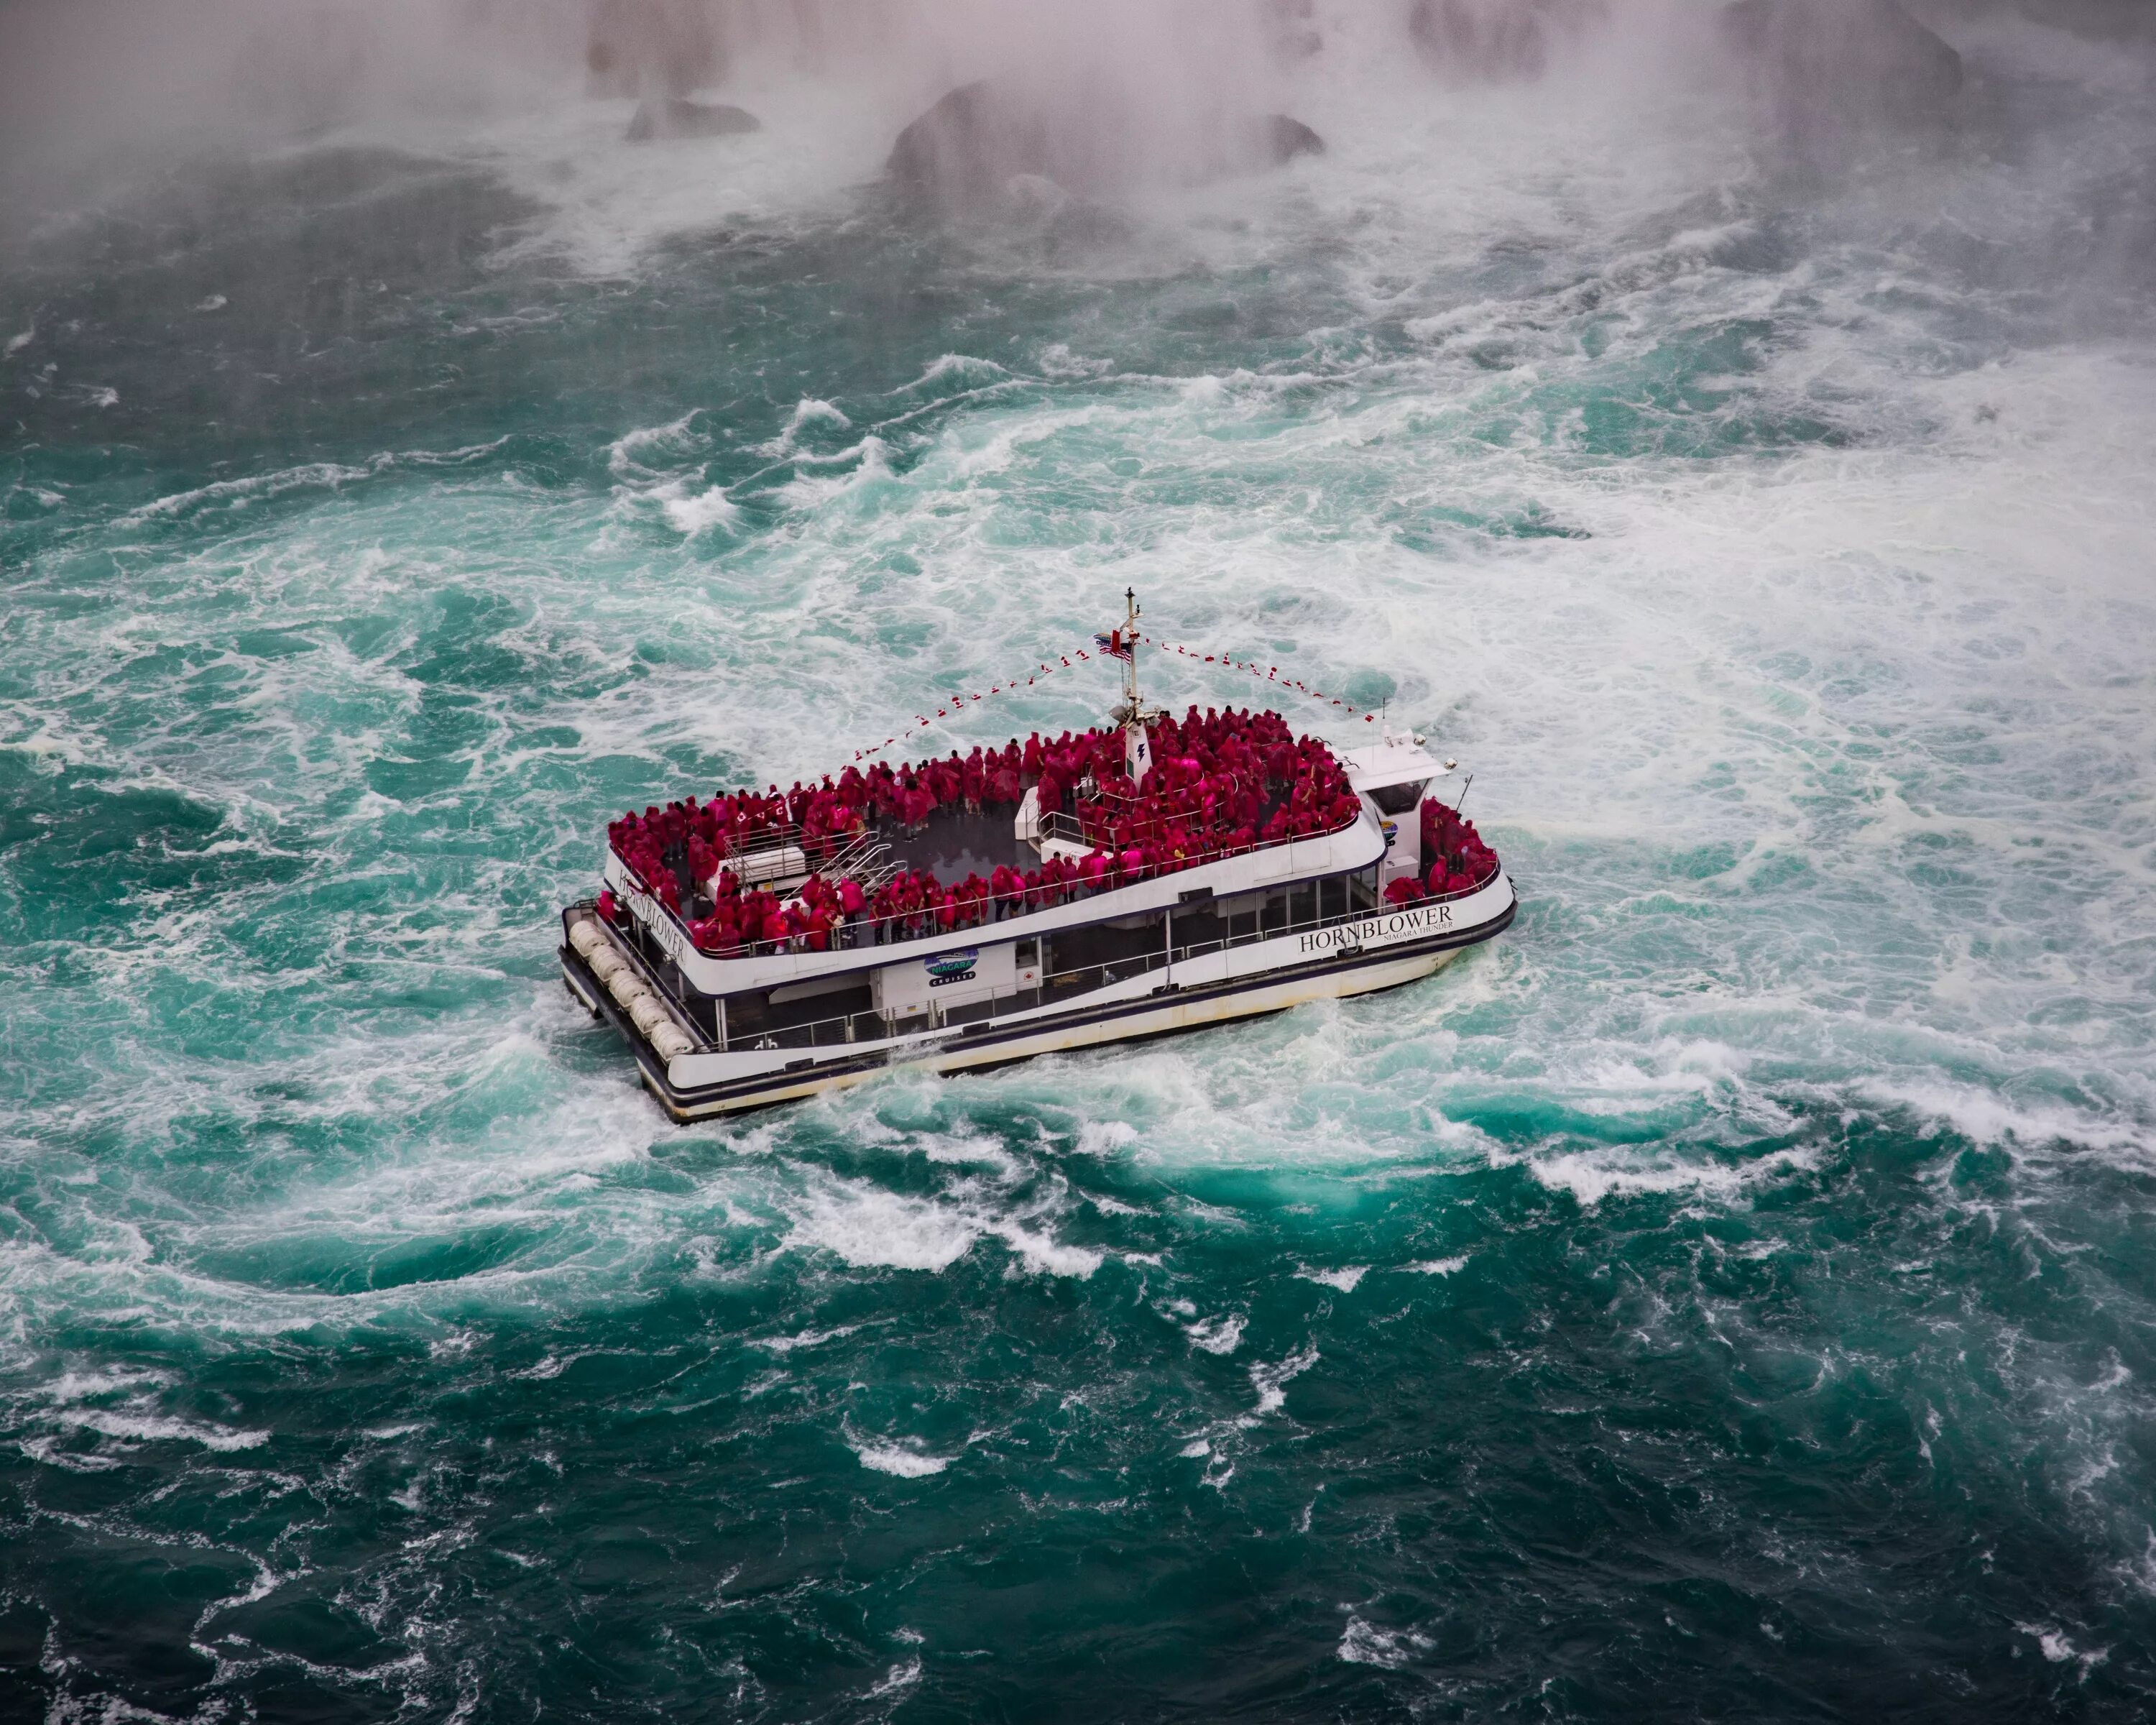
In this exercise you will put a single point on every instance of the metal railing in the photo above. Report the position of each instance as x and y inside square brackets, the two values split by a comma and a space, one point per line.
[868, 930]
[865, 931]
[869, 859]
[824, 853]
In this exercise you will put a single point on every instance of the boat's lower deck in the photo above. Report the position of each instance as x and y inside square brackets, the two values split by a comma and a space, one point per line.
[1351, 956]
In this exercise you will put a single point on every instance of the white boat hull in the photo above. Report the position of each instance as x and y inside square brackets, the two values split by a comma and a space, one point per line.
[1100, 1022]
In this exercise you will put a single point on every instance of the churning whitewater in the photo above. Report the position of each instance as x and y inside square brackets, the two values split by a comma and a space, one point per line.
[1728, 1295]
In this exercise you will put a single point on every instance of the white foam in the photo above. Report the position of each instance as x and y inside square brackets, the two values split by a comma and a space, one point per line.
[1345, 1279]
[967, 1149]
[47, 1452]
[1591, 1176]
[80, 1386]
[1271, 1381]
[1039, 1254]
[1439, 1267]
[150, 1428]
[810, 489]
[1105, 1137]
[1986, 1118]
[1217, 1335]
[1362, 1643]
[867, 1226]
[2054, 1646]
[239, 494]
[646, 451]
[907, 1462]
[806, 1338]
[809, 411]
[900, 1678]
[693, 513]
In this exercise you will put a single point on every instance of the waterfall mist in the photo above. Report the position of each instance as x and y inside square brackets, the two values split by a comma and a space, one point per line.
[89, 85]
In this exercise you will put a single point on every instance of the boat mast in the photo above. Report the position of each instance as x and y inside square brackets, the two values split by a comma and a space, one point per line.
[1132, 710]
[1137, 746]
[1130, 655]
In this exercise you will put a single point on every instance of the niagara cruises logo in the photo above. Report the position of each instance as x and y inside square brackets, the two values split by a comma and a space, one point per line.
[1375, 930]
[952, 967]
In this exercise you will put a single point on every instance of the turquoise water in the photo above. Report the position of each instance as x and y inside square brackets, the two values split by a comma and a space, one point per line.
[1728, 1296]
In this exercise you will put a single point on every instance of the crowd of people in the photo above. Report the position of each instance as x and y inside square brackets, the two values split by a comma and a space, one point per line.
[1459, 860]
[1219, 783]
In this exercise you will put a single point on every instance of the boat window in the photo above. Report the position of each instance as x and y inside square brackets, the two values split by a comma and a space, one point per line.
[1115, 942]
[1200, 925]
[1398, 798]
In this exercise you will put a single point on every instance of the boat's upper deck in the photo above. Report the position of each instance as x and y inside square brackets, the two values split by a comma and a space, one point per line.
[957, 842]
[954, 843]
[1042, 837]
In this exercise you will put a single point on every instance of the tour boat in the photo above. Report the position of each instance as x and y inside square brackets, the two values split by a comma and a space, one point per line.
[1155, 874]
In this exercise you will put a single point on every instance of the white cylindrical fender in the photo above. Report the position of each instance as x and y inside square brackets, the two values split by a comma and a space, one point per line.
[668, 1040]
[626, 986]
[605, 963]
[649, 1010]
[586, 936]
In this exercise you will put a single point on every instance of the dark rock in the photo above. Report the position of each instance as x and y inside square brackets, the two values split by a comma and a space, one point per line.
[1825, 67]
[675, 117]
[966, 148]
[1281, 139]
[970, 147]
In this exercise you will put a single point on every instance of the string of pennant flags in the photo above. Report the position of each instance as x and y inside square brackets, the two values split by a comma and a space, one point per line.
[947, 706]
[1265, 674]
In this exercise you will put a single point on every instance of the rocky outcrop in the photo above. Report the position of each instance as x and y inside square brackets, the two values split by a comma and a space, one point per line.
[1496, 41]
[676, 117]
[969, 145]
[1825, 68]
[1281, 139]
[968, 149]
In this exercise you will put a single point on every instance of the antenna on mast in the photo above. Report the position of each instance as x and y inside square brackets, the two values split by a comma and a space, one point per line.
[1131, 652]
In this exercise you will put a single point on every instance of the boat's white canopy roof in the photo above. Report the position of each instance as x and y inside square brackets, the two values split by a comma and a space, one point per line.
[1397, 760]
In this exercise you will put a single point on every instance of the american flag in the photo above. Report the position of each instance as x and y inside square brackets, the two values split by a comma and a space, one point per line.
[1114, 644]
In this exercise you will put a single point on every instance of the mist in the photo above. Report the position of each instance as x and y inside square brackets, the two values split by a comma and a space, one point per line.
[87, 90]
